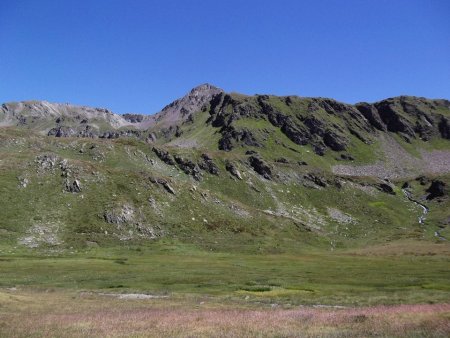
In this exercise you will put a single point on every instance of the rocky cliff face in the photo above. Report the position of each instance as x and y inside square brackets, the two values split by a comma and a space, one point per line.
[411, 117]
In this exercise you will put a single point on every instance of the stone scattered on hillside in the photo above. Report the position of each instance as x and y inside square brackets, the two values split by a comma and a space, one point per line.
[23, 182]
[72, 186]
[42, 234]
[164, 183]
[119, 216]
[406, 186]
[46, 161]
[339, 216]
[167, 186]
[335, 141]
[66, 171]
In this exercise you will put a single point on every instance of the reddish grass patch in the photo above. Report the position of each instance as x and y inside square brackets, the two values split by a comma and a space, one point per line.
[56, 314]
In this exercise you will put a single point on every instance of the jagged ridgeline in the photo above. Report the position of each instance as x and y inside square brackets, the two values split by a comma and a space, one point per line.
[226, 171]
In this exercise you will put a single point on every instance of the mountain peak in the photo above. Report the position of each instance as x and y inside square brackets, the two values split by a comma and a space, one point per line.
[180, 109]
[205, 88]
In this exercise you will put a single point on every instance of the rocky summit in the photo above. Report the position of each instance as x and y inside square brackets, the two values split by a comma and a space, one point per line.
[226, 171]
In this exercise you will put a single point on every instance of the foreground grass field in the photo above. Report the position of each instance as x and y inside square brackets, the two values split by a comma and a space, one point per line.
[398, 289]
[405, 272]
[27, 313]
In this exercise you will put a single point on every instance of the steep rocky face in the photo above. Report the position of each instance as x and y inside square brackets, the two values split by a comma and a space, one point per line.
[411, 117]
[372, 115]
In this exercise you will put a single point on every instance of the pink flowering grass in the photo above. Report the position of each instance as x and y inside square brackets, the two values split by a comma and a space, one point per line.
[33, 314]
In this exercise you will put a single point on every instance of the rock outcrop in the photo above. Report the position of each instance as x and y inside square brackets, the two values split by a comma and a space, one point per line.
[444, 127]
[164, 156]
[207, 164]
[72, 186]
[436, 189]
[188, 167]
[164, 183]
[260, 166]
[232, 136]
[231, 168]
[385, 187]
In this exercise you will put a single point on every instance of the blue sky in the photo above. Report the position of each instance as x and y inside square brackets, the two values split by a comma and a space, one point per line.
[137, 56]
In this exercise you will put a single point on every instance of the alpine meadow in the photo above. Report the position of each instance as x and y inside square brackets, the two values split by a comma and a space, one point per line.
[293, 182]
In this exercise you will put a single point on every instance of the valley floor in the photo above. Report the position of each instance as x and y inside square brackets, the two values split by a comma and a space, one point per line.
[396, 289]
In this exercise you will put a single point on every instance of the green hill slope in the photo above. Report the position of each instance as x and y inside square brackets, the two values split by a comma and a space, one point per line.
[247, 173]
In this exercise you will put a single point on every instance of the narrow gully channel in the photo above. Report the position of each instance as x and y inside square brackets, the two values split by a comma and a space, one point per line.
[425, 211]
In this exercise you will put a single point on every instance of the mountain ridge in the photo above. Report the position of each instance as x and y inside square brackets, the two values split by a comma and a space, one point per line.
[394, 117]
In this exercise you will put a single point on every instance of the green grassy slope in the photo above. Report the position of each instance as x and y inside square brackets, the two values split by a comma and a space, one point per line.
[220, 212]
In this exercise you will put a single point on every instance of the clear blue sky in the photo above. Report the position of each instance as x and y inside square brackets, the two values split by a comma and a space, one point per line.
[137, 56]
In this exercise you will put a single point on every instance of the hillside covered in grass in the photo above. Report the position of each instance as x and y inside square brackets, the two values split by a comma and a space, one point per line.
[260, 174]
[223, 205]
